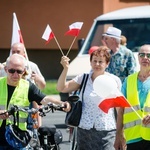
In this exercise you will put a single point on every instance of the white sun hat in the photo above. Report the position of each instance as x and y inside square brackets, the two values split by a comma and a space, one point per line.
[113, 32]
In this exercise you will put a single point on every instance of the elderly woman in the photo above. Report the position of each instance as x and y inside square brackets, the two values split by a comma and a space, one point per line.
[97, 129]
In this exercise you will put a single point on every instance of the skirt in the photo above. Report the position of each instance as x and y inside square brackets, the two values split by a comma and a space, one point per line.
[95, 140]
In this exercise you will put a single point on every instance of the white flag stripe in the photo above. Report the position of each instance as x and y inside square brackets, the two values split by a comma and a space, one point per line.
[76, 25]
[15, 32]
[46, 33]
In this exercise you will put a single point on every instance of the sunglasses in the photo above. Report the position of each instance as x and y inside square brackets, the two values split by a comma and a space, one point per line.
[13, 71]
[142, 55]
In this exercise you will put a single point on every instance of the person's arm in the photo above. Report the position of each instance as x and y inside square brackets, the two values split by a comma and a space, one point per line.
[37, 76]
[63, 85]
[39, 80]
[51, 99]
[120, 143]
[36, 95]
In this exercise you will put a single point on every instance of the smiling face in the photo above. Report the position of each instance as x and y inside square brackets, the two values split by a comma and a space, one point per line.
[144, 56]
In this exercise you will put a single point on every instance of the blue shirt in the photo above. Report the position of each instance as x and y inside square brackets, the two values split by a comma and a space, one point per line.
[122, 63]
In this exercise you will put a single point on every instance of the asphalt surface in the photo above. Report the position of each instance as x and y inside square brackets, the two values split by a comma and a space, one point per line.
[57, 118]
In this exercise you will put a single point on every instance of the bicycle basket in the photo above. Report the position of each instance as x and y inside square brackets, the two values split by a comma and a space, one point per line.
[16, 137]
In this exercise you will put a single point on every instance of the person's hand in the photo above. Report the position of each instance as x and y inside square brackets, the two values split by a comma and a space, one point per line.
[120, 143]
[67, 107]
[35, 77]
[146, 120]
[38, 80]
[65, 61]
[3, 114]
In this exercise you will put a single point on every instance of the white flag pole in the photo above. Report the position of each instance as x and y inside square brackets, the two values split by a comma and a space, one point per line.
[59, 46]
[71, 45]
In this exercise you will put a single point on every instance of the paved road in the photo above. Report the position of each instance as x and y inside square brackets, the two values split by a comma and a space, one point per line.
[57, 118]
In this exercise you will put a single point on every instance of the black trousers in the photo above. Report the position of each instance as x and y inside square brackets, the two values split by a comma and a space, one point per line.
[141, 145]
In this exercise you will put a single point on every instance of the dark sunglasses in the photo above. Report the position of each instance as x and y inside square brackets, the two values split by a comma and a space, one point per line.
[13, 71]
[142, 55]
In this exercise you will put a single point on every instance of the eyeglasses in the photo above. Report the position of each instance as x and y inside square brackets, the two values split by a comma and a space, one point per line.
[142, 55]
[13, 71]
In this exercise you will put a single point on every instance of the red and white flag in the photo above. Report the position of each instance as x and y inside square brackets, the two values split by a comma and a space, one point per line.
[74, 29]
[48, 34]
[115, 99]
[16, 32]
[17, 37]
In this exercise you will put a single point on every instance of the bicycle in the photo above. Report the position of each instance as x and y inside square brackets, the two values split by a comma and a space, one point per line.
[44, 137]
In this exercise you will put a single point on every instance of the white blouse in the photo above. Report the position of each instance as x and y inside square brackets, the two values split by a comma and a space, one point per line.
[92, 115]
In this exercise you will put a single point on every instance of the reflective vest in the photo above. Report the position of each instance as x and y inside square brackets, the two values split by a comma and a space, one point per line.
[19, 98]
[133, 127]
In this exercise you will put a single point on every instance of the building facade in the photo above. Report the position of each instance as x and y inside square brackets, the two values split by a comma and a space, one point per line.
[33, 16]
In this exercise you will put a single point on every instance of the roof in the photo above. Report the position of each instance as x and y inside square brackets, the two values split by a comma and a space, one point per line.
[127, 13]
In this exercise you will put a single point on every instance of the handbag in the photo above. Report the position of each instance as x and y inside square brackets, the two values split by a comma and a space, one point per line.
[73, 116]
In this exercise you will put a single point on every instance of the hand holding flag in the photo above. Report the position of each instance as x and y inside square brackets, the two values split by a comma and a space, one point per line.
[74, 30]
[49, 35]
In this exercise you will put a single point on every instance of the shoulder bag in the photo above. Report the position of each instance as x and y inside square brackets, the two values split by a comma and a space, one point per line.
[74, 115]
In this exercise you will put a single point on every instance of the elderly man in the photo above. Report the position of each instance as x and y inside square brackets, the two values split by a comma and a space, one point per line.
[15, 90]
[33, 71]
[122, 62]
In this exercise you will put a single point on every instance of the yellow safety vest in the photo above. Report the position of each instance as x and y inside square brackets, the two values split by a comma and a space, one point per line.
[19, 98]
[133, 127]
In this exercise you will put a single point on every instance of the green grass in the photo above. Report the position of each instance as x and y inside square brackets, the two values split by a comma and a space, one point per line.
[50, 88]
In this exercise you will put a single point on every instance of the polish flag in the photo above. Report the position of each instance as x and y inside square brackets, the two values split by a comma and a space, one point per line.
[48, 34]
[17, 37]
[74, 29]
[16, 32]
[115, 99]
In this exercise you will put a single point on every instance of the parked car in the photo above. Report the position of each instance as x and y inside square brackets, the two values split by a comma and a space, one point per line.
[134, 22]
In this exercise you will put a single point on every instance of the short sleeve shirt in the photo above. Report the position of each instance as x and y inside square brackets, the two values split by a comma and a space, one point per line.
[122, 63]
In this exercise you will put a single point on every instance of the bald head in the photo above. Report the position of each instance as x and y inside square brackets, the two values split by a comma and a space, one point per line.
[145, 48]
[18, 48]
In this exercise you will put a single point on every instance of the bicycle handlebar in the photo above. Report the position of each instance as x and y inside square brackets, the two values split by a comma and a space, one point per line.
[42, 110]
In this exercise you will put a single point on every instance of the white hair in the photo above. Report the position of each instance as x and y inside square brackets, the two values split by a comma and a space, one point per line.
[18, 57]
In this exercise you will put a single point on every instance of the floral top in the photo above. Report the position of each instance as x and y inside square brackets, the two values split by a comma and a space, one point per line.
[92, 115]
[122, 63]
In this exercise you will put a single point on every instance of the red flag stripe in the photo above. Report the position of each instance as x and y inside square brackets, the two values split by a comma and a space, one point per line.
[108, 103]
[73, 32]
[51, 36]
[20, 36]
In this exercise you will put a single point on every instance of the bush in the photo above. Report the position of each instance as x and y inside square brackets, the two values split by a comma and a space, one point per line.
[50, 88]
